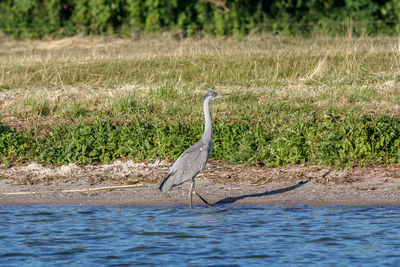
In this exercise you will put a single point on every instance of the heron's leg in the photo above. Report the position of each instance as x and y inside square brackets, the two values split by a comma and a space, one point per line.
[191, 193]
[205, 202]
[197, 194]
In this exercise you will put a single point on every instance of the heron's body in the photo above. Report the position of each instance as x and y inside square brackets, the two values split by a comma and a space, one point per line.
[189, 164]
[193, 160]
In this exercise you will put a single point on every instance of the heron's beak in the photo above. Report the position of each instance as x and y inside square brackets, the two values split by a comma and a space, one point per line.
[221, 95]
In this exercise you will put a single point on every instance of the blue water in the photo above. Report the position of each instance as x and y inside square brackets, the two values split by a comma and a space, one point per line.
[219, 236]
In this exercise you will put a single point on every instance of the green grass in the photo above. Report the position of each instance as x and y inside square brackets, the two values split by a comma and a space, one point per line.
[328, 101]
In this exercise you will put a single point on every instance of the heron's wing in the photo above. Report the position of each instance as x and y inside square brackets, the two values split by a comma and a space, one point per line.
[187, 166]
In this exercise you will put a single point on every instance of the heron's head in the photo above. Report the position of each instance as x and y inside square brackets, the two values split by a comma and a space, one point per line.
[211, 96]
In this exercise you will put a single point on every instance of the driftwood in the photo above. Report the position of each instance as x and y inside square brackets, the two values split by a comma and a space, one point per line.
[74, 190]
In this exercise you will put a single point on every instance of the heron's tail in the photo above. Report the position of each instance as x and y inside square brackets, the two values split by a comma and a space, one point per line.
[166, 184]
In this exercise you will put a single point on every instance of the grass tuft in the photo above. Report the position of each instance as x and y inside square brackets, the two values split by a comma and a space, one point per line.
[35, 106]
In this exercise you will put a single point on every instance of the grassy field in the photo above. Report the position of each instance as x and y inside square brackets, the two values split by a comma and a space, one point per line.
[328, 101]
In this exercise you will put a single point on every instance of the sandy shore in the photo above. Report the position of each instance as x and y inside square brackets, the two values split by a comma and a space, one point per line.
[300, 193]
[293, 185]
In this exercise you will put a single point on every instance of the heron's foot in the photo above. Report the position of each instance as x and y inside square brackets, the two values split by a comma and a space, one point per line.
[205, 201]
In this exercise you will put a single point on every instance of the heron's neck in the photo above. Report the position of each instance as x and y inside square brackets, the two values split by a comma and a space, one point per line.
[207, 135]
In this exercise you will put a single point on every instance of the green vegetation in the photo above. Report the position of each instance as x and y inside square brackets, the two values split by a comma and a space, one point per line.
[328, 101]
[32, 19]
[322, 140]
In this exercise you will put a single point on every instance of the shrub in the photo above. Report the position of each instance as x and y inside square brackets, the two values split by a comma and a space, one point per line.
[35, 19]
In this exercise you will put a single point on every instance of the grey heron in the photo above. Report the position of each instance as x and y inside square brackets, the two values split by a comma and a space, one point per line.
[193, 160]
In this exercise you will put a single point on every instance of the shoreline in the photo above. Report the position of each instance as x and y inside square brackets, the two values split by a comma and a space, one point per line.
[306, 192]
[219, 183]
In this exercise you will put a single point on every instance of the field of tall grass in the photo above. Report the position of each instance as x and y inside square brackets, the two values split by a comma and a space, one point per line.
[321, 100]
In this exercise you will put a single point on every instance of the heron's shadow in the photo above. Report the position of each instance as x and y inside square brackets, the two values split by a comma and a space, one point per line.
[230, 200]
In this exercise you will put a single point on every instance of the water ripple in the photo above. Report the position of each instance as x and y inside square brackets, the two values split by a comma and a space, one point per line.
[217, 236]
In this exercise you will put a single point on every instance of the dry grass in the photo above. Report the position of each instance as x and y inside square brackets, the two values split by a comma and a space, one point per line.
[82, 77]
